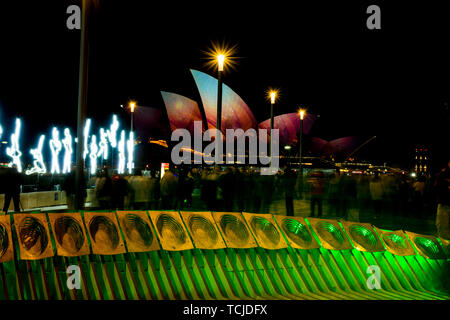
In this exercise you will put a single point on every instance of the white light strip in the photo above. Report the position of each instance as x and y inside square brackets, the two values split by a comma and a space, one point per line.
[103, 145]
[93, 154]
[55, 147]
[14, 150]
[67, 143]
[38, 160]
[113, 132]
[87, 127]
[121, 168]
[130, 147]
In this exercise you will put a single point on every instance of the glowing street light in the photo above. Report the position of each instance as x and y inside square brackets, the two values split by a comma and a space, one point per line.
[301, 113]
[272, 95]
[132, 107]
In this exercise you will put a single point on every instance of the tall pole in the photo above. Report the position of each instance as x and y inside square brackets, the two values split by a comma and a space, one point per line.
[82, 106]
[219, 113]
[301, 144]
[271, 126]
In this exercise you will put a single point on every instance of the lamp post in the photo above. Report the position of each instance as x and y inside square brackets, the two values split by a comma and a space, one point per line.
[132, 106]
[302, 116]
[82, 97]
[220, 61]
[273, 96]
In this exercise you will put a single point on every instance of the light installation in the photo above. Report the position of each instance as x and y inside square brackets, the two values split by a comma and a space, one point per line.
[87, 127]
[130, 148]
[38, 159]
[55, 147]
[67, 143]
[93, 154]
[121, 147]
[103, 145]
[14, 151]
[113, 131]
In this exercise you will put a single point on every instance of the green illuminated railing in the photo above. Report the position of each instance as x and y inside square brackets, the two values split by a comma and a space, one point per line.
[155, 255]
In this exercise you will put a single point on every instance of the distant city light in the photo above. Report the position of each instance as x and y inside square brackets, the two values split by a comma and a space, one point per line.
[413, 174]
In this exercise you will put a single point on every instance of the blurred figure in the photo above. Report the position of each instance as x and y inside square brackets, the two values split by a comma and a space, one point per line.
[333, 195]
[168, 187]
[14, 180]
[288, 182]
[103, 189]
[69, 187]
[140, 189]
[363, 195]
[418, 196]
[442, 185]
[189, 184]
[226, 182]
[316, 192]
[376, 193]
[120, 190]
[154, 192]
[348, 196]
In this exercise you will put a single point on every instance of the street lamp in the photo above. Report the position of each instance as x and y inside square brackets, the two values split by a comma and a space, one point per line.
[220, 63]
[273, 95]
[301, 113]
[132, 106]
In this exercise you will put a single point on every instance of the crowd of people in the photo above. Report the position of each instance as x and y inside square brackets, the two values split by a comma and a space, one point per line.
[363, 197]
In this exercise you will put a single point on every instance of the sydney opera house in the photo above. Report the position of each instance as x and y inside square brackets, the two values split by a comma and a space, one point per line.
[181, 112]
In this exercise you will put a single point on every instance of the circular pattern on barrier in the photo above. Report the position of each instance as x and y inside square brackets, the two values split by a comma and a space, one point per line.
[203, 231]
[30, 231]
[364, 237]
[266, 231]
[235, 231]
[330, 233]
[69, 233]
[428, 247]
[104, 232]
[170, 230]
[137, 230]
[396, 243]
[297, 232]
[4, 240]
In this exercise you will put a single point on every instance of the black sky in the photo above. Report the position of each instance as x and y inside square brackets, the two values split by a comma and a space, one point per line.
[392, 83]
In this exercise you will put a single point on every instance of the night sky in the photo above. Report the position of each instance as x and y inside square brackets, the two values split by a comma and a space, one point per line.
[392, 83]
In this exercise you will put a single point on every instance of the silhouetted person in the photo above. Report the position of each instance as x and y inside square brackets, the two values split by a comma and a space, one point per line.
[13, 180]
[289, 181]
[103, 190]
[442, 185]
[168, 187]
[317, 189]
[69, 187]
[376, 192]
[120, 189]
[226, 182]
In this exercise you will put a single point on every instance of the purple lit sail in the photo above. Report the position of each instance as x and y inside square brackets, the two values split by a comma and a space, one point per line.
[341, 147]
[289, 126]
[182, 111]
[235, 112]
